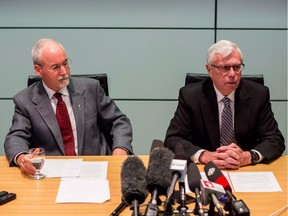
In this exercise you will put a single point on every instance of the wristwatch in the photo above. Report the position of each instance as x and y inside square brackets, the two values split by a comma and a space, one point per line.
[254, 157]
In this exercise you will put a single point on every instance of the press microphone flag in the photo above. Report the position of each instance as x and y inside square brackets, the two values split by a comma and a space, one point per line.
[211, 192]
[179, 167]
[208, 187]
[214, 174]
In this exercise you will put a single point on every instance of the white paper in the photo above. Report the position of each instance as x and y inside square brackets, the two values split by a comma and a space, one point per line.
[254, 182]
[61, 168]
[94, 169]
[83, 190]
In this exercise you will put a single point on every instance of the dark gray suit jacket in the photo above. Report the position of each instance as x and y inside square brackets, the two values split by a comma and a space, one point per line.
[195, 124]
[96, 115]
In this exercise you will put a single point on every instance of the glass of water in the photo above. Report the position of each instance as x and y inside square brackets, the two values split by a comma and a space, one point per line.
[37, 160]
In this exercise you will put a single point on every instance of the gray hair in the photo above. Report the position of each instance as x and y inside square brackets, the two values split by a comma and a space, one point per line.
[38, 47]
[223, 47]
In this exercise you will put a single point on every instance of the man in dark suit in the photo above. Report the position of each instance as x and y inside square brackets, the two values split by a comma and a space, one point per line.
[92, 114]
[196, 124]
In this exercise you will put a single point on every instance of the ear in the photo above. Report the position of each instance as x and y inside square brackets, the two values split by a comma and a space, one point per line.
[38, 70]
[208, 68]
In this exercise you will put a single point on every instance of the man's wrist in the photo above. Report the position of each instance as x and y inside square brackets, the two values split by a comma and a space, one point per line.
[201, 156]
[18, 158]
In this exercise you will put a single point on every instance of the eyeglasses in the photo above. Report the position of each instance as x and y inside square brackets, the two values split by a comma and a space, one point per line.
[226, 68]
[57, 67]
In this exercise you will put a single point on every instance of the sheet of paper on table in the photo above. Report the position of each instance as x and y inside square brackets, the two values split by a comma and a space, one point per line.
[89, 186]
[54, 168]
[254, 182]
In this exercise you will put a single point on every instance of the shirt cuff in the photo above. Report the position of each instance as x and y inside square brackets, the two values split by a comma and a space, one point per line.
[16, 156]
[195, 157]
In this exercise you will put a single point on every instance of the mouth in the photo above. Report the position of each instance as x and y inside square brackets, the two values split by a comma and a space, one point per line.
[231, 83]
[61, 79]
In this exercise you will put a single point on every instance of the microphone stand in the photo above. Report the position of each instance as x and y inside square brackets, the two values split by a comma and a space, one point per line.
[135, 208]
[152, 207]
[211, 211]
[182, 208]
[168, 210]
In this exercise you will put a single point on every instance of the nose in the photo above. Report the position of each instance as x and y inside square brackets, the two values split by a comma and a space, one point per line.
[231, 72]
[62, 70]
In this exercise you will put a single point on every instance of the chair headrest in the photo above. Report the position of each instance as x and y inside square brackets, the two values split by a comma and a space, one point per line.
[197, 77]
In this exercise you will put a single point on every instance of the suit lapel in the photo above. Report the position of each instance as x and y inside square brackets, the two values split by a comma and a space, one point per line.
[42, 103]
[209, 107]
[242, 111]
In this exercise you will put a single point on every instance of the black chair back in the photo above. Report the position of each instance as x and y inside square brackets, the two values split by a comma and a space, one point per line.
[197, 77]
[102, 78]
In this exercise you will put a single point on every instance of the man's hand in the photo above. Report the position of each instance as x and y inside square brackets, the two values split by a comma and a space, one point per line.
[24, 162]
[227, 157]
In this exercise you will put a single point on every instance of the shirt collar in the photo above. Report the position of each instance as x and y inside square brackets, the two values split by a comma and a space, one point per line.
[51, 92]
[231, 96]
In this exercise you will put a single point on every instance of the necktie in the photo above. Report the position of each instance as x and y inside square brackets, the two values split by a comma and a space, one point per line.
[64, 125]
[226, 131]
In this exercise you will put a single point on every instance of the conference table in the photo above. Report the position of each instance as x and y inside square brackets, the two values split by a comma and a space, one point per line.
[37, 197]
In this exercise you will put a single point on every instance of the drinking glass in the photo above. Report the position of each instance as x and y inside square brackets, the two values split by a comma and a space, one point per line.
[37, 161]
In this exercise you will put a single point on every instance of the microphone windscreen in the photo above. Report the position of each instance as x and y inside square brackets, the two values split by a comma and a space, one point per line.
[133, 181]
[214, 174]
[194, 177]
[158, 174]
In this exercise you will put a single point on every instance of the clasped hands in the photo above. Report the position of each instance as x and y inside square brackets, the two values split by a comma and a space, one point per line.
[227, 157]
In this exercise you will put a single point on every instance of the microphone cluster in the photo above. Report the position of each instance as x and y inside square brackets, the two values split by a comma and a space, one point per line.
[163, 172]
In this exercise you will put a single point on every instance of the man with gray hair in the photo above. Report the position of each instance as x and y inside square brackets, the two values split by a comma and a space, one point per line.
[62, 114]
[225, 119]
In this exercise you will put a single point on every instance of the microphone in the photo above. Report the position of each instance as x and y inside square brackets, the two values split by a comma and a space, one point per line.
[179, 170]
[194, 178]
[156, 144]
[211, 191]
[214, 174]
[133, 183]
[236, 207]
[158, 177]
[119, 209]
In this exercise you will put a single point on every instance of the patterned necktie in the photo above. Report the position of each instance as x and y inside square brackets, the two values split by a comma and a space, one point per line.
[65, 125]
[227, 130]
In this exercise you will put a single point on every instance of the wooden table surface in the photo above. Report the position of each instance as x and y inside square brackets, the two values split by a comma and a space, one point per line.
[37, 197]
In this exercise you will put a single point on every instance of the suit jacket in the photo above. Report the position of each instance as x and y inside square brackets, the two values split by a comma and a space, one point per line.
[97, 117]
[195, 124]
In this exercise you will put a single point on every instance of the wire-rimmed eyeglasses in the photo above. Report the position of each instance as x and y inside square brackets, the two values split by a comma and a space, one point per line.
[226, 68]
[57, 67]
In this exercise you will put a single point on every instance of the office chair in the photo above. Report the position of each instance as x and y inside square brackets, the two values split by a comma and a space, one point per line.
[102, 78]
[197, 77]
